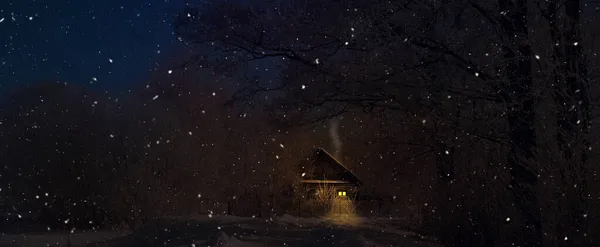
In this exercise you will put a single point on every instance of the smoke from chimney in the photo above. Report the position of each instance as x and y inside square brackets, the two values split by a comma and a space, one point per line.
[335, 136]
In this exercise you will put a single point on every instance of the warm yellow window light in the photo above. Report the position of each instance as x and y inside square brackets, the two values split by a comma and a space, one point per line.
[341, 193]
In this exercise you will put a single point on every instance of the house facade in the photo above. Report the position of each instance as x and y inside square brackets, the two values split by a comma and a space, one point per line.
[323, 172]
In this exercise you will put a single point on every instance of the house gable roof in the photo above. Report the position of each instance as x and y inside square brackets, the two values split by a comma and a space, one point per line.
[327, 167]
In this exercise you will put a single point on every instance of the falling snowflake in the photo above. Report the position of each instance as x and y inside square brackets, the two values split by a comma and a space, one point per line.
[155, 97]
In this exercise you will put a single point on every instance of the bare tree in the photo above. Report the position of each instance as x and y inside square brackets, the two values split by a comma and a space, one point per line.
[461, 82]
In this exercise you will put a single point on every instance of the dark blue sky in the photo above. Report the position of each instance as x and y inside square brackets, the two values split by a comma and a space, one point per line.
[75, 41]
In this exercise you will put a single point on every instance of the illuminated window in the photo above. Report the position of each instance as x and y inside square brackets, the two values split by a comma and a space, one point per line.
[341, 193]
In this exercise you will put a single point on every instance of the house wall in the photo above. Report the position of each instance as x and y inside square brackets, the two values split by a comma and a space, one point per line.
[309, 190]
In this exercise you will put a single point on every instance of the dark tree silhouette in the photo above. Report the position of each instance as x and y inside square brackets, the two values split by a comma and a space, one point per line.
[428, 65]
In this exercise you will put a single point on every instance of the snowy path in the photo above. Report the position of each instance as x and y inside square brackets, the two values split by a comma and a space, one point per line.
[236, 232]
[248, 232]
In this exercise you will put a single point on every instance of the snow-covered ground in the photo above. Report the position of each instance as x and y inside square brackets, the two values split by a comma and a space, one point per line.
[240, 232]
[55, 239]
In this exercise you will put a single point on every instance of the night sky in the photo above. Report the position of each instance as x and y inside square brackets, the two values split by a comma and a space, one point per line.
[110, 43]
[458, 123]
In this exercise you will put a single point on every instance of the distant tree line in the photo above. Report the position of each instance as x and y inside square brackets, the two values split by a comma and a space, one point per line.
[73, 157]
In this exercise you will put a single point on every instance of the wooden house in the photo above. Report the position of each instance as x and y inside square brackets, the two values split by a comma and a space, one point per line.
[324, 170]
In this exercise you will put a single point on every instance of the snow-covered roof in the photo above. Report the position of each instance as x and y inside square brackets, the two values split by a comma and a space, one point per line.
[336, 171]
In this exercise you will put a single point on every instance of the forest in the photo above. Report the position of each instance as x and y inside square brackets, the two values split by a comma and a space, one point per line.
[478, 114]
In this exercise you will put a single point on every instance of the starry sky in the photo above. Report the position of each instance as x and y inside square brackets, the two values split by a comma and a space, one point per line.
[107, 43]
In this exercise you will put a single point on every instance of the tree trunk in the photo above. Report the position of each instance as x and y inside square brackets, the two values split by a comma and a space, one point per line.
[520, 118]
[573, 119]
